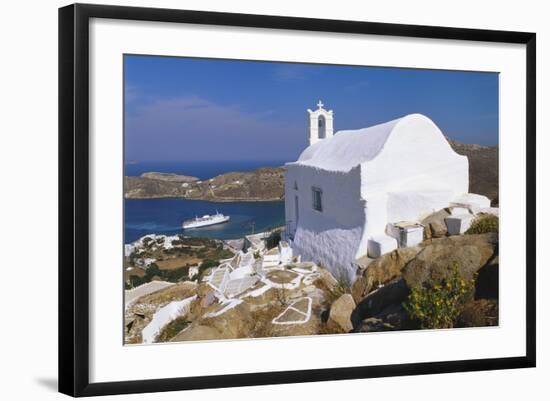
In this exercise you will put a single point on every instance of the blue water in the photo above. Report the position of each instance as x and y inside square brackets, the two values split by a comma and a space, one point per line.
[200, 169]
[164, 216]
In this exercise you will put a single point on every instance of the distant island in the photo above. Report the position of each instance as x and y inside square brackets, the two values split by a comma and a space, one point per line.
[263, 184]
[267, 183]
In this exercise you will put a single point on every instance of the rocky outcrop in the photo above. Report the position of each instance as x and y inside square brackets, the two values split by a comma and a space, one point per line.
[394, 293]
[434, 263]
[264, 184]
[385, 285]
[382, 270]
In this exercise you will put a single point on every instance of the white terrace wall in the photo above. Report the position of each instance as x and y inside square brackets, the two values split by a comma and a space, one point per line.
[333, 236]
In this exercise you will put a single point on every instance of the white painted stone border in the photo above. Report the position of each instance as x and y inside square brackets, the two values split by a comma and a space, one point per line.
[164, 316]
[307, 315]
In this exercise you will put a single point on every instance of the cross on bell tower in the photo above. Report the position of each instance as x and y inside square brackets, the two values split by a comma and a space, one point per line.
[320, 124]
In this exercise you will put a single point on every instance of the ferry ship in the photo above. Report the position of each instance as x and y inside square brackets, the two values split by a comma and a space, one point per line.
[206, 220]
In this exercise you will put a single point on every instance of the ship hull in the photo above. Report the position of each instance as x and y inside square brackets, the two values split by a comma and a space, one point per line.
[204, 223]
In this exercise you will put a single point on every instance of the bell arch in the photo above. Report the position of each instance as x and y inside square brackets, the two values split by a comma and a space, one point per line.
[320, 124]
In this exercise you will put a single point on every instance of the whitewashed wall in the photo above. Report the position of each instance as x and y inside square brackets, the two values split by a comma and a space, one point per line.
[330, 237]
[417, 170]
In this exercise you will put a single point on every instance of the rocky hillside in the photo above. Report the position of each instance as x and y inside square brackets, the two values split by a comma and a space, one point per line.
[264, 184]
[304, 299]
[285, 302]
[483, 161]
[170, 177]
[445, 281]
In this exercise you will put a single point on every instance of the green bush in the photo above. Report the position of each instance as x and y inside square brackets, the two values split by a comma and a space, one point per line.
[221, 253]
[485, 223]
[208, 263]
[175, 275]
[273, 240]
[172, 329]
[437, 306]
[135, 281]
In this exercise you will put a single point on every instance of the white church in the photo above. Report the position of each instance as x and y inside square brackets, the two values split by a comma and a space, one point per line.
[347, 187]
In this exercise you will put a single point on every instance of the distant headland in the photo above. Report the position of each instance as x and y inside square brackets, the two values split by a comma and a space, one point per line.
[267, 183]
[263, 184]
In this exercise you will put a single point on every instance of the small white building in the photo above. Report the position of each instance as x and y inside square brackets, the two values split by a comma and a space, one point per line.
[193, 272]
[280, 255]
[285, 252]
[346, 187]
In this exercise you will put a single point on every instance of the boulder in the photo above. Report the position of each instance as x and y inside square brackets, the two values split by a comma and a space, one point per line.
[360, 288]
[438, 229]
[327, 279]
[382, 270]
[434, 262]
[394, 293]
[392, 318]
[460, 240]
[373, 324]
[340, 312]
[478, 313]
[434, 224]
[487, 280]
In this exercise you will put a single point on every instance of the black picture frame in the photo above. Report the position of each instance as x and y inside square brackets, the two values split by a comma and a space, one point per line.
[74, 198]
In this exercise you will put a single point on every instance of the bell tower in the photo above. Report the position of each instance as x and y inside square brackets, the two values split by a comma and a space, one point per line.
[320, 124]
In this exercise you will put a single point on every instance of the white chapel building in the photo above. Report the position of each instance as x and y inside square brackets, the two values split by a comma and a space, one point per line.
[347, 186]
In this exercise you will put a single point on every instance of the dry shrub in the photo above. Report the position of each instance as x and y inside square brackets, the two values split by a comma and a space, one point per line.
[485, 223]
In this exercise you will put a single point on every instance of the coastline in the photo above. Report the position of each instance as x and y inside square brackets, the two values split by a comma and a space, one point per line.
[264, 184]
[221, 200]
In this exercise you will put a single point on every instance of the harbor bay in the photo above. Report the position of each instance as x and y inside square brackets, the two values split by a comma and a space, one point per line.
[165, 216]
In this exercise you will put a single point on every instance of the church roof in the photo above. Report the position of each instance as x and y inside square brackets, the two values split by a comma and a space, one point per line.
[349, 148]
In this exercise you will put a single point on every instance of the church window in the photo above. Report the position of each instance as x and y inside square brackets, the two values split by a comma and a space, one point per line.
[317, 199]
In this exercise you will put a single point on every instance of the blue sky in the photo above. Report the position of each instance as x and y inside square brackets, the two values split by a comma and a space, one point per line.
[206, 109]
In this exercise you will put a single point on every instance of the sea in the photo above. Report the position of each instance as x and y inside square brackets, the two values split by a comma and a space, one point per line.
[165, 216]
